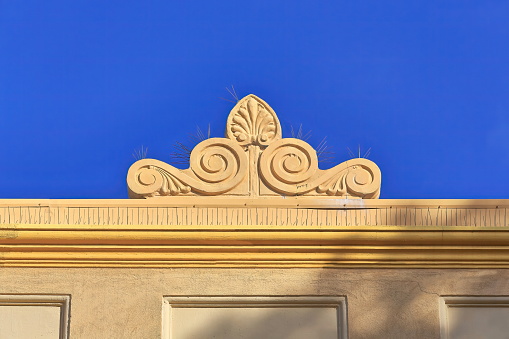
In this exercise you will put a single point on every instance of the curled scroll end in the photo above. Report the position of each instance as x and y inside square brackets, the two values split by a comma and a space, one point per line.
[253, 121]
[360, 178]
[150, 177]
[217, 165]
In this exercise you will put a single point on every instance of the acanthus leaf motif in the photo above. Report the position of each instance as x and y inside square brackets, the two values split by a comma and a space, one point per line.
[252, 121]
[172, 185]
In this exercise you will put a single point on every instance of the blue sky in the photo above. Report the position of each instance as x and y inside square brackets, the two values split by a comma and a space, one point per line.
[424, 84]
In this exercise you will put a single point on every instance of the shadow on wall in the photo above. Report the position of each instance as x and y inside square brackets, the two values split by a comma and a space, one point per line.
[381, 303]
[399, 303]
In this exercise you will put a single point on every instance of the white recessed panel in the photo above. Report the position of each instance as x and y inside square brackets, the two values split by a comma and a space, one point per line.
[254, 317]
[34, 316]
[474, 317]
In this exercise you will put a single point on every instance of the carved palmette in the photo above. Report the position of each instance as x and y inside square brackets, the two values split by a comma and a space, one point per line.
[252, 121]
[254, 160]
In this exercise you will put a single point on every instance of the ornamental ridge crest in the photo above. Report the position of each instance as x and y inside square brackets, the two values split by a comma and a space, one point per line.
[254, 160]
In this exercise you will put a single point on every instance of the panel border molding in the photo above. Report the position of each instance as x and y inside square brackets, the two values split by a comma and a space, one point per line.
[338, 302]
[62, 301]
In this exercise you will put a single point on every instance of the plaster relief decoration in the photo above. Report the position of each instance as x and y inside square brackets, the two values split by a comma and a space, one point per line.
[254, 160]
[252, 121]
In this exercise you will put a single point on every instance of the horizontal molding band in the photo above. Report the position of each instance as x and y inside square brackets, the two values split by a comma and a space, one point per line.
[288, 212]
[51, 246]
[272, 236]
[253, 264]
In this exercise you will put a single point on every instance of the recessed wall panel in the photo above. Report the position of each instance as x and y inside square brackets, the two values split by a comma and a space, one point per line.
[34, 316]
[254, 317]
[469, 317]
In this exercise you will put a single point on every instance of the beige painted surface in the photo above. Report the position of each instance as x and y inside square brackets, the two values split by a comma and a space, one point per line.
[243, 323]
[382, 303]
[478, 322]
[21, 322]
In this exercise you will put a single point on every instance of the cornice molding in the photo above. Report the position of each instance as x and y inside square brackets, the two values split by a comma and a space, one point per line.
[252, 246]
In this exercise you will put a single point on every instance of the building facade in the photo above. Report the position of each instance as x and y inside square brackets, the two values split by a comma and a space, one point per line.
[254, 241]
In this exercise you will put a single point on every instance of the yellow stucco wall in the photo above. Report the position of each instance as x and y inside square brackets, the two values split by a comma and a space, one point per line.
[127, 303]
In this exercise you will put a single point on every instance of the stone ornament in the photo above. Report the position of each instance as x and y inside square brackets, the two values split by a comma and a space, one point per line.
[290, 166]
[254, 160]
[217, 165]
[252, 121]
